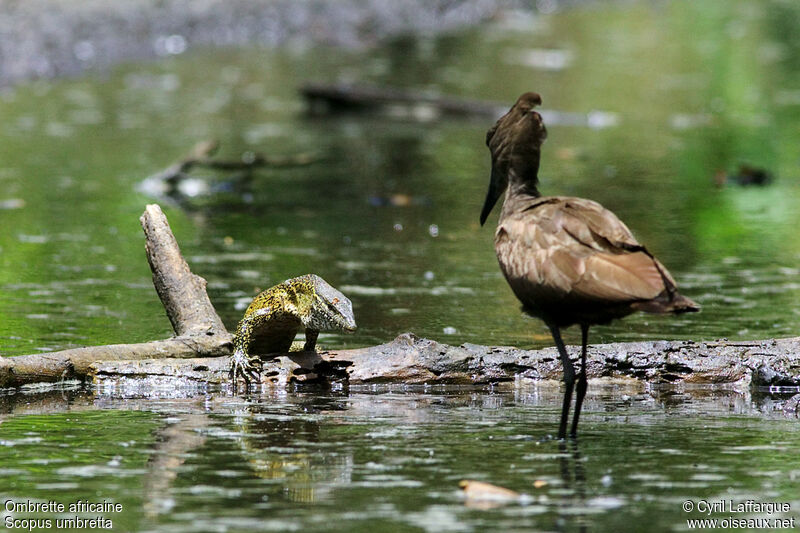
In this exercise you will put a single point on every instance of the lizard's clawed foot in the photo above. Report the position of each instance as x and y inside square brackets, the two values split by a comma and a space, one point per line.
[246, 366]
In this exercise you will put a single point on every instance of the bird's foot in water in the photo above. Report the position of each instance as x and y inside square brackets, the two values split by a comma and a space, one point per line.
[246, 366]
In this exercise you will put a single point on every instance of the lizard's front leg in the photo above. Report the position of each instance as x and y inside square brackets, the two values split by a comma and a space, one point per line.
[311, 339]
[243, 364]
[246, 366]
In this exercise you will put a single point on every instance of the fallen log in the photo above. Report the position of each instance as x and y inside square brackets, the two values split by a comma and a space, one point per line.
[200, 332]
[426, 106]
[325, 98]
[193, 359]
[411, 360]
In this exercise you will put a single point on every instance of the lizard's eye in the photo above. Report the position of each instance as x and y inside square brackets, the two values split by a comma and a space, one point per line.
[335, 301]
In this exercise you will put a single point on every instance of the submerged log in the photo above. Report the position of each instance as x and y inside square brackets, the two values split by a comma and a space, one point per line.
[199, 330]
[202, 155]
[412, 360]
[425, 106]
[341, 97]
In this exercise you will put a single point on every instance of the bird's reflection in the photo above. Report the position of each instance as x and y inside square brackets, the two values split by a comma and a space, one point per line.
[174, 442]
[573, 474]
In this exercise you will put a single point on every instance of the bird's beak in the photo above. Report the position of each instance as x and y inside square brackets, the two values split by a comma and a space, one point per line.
[496, 188]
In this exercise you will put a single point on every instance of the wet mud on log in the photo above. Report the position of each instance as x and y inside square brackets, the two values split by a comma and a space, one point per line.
[410, 360]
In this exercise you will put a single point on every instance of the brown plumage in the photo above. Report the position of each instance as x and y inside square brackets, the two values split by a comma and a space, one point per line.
[568, 260]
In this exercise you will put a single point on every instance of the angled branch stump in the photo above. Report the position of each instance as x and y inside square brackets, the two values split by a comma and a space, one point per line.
[199, 330]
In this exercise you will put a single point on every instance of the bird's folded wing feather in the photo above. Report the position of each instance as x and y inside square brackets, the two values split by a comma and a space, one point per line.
[577, 246]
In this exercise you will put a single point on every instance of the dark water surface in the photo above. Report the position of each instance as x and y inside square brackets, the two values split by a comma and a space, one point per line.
[645, 103]
[384, 460]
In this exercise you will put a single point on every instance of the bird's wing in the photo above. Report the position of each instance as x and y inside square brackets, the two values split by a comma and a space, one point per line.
[617, 240]
[576, 246]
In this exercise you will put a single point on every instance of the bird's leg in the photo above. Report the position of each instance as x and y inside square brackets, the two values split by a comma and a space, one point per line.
[580, 389]
[569, 380]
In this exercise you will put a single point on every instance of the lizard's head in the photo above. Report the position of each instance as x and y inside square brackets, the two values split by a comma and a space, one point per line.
[330, 309]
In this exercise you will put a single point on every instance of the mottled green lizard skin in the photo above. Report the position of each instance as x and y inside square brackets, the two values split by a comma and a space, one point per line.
[277, 314]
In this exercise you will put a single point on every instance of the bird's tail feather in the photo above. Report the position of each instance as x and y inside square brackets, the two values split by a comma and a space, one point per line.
[674, 303]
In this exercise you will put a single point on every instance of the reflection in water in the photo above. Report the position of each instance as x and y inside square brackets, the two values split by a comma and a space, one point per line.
[269, 442]
[271, 445]
[393, 457]
[574, 477]
[174, 443]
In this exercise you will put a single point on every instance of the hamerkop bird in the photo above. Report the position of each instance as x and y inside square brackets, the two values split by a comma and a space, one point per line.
[568, 260]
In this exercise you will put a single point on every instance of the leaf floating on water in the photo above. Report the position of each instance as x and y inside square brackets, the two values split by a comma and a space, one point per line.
[539, 483]
[398, 200]
[479, 490]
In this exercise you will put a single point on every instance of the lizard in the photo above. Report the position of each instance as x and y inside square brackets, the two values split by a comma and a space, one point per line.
[277, 314]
